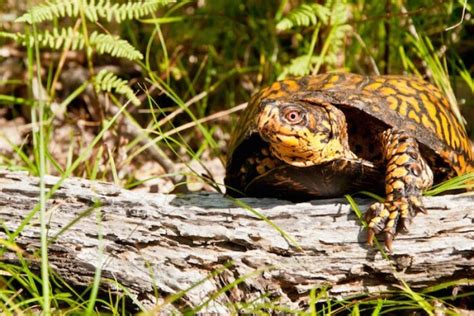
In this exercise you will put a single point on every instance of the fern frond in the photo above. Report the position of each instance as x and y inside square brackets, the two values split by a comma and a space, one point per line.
[302, 65]
[114, 46]
[134, 10]
[107, 81]
[93, 10]
[11, 36]
[339, 12]
[50, 10]
[304, 15]
[57, 39]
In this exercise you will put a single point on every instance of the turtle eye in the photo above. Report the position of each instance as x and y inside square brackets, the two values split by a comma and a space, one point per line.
[294, 116]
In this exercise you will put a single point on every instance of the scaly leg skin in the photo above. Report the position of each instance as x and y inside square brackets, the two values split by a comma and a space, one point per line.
[407, 175]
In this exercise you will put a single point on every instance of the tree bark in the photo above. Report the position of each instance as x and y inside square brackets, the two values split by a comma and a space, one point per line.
[156, 243]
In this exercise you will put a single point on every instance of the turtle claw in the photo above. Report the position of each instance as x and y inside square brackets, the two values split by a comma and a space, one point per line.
[370, 237]
[403, 224]
[416, 206]
[388, 241]
[379, 219]
[391, 217]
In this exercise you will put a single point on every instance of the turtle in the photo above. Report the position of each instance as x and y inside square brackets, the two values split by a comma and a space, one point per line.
[339, 133]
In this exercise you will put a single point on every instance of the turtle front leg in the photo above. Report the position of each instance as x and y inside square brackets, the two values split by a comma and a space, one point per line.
[406, 176]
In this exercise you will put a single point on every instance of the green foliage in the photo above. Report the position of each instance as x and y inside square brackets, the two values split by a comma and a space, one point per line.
[61, 38]
[93, 10]
[72, 39]
[114, 46]
[107, 81]
[340, 27]
[466, 76]
[333, 18]
[304, 15]
[461, 182]
[300, 66]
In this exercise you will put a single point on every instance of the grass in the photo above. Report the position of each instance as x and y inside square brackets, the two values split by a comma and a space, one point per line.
[199, 62]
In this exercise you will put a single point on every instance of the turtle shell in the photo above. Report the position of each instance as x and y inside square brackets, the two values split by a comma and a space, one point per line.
[371, 104]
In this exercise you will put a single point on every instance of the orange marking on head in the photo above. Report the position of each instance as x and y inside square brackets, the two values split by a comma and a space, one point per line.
[285, 129]
[326, 124]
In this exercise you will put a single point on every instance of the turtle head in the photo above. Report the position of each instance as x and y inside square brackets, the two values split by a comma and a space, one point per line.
[303, 133]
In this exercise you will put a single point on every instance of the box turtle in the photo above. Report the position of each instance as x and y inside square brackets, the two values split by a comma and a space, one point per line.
[331, 134]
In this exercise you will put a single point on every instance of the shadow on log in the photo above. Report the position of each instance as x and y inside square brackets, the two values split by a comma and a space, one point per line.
[169, 243]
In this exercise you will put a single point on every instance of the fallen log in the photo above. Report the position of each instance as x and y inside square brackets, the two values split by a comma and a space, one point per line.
[199, 243]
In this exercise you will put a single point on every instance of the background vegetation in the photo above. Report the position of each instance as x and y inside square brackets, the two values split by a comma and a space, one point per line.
[146, 93]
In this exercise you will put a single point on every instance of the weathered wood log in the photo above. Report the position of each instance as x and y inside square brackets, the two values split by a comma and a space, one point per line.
[170, 243]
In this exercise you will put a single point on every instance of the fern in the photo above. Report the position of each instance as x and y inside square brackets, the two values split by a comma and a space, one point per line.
[339, 26]
[57, 39]
[101, 43]
[107, 81]
[304, 15]
[302, 65]
[334, 16]
[93, 10]
[113, 45]
[298, 66]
